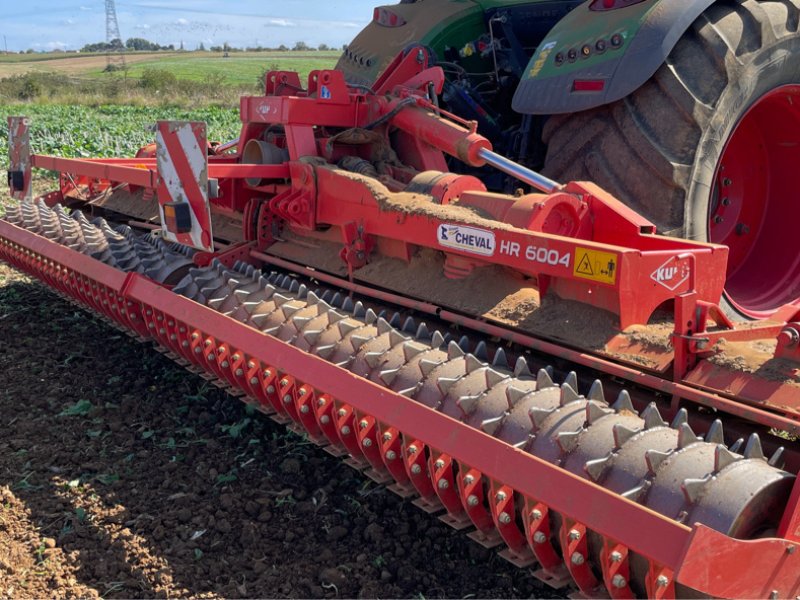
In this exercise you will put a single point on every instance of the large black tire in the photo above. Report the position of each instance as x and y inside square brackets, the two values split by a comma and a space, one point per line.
[658, 149]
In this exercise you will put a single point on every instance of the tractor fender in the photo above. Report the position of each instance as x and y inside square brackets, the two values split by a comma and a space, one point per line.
[556, 81]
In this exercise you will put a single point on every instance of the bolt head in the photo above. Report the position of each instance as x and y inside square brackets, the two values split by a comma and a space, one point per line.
[618, 581]
[225, 364]
[287, 399]
[443, 484]
[416, 469]
[304, 409]
[284, 382]
[504, 518]
[536, 514]
[341, 412]
[577, 558]
[321, 402]
[239, 372]
[439, 464]
[539, 537]
[500, 497]
[662, 581]
[345, 430]
[271, 389]
[473, 500]
[363, 424]
[324, 419]
[469, 480]
[391, 455]
[367, 443]
[387, 437]
[412, 450]
[267, 373]
[574, 535]
[254, 381]
[615, 557]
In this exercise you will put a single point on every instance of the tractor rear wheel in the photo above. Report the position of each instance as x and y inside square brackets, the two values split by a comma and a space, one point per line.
[709, 147]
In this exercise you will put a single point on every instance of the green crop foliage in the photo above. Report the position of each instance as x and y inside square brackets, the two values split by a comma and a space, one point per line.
[106, 131]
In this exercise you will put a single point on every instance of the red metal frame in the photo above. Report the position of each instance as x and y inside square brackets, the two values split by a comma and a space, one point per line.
[699, 557]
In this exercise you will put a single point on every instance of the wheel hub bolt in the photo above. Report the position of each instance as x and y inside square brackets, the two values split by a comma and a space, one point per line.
[539, 537]
[504, 518]
[443, 484]
[416, 469]
[439, 464]
[536, 514]
[345, 430]
[254, 381]
[287, 399]
[469, 479]
[742, 229]
[500, 497]
[662, 581]
[577, 558]
[387, 437]
[616, 557]
[342, 412]
[412, 449]
[363, 424]
[367, 443]
[574, 535]
[304, 409]
[473, 500]
[391, 455]
[324, 419]
[619, 581]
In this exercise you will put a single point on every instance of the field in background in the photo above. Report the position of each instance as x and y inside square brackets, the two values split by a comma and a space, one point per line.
[240, 68]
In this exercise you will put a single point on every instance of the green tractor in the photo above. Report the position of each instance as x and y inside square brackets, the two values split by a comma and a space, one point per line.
[687, 110]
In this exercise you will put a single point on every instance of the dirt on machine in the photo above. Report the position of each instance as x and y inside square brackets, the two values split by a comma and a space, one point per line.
[521, 352]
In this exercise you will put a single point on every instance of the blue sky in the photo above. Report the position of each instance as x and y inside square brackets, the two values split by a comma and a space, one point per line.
[69, 24]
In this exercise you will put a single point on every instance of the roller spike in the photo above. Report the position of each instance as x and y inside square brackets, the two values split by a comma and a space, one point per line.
[693, 488]
[272, 330]
[312, 337]
[473, 364]
[596, 468]
[652, 418]
[312, 298]
[715, 433]
[654, 459]
[521, 369]
[686, 436]
[481, 351]
[358, 340]
[778, 459]
[395, 338]
[623, 403]
[294, 287]
[280, 299]
[389, 376]
[464, 343]
[723, 457]
[426, 366]
[596, 411]
[373, 359]
[326, 351]
[323, 307]
[454, 351]
[538, 415]
[347, 327]
[395, 320]
[216, 303]
[359, 311]
[345, 364]
[410, 350]
[572, 380]
[410, 392]
[635, 494]
[437, 339]
[680, 418]
[491, 426]
[384, 326]
[409, 325]
[445, 383]
[259, 320]
[500, 359]
[514, 395]
[301, 322]
[494, 377]
[568, 395]
[337, 300]
[544, 380]
[753, 448]
[288, 310]
[422, 332]
[335, 317]
[568, 440]
[348, 305]
[737, 445]
[371, 317]
[326, 296]
[622, 434]
[468, 404]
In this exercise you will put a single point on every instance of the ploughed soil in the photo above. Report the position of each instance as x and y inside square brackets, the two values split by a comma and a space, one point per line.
[122, 475]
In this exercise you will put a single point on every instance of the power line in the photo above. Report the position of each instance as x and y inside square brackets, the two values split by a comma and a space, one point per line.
[115, 59]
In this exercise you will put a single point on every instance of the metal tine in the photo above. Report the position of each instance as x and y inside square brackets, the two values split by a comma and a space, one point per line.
[482, 351]
[500, 359]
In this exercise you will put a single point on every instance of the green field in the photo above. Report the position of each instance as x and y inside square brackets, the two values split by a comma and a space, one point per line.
[80, 131]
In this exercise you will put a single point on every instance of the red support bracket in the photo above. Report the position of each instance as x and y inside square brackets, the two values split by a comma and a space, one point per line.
[19, 155]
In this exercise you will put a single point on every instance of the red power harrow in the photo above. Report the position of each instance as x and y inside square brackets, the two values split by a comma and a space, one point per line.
[264, 265]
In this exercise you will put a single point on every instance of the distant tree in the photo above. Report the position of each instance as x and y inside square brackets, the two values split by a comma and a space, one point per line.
[202, 47]
[301, 47]
[283, 48]
[323, 47]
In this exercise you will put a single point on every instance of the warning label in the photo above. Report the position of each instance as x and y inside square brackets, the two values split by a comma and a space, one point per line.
[595, 265]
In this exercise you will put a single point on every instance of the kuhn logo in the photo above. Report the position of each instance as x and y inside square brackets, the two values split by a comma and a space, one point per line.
[672, 274]
[467, 239]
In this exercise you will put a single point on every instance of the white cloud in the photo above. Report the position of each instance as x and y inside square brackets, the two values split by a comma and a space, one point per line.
[86, 8]
[182, 21]
[280, 23]
[142, 26]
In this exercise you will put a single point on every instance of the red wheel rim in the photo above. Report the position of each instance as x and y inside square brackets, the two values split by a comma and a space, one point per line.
[753, 205]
